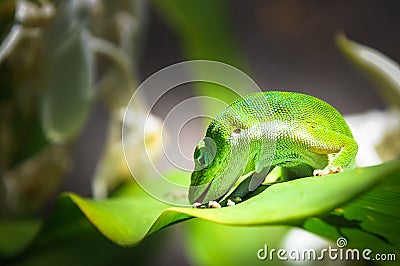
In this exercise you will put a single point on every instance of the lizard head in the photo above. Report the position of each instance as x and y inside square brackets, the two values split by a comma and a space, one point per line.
[212, 176]
[229, 149]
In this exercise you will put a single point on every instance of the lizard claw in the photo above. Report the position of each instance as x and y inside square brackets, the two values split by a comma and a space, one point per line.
[230, 203]
[211, 204]
[214, 204]
[327, 171]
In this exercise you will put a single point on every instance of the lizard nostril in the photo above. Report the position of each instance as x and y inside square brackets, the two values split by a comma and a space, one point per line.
[237, 131]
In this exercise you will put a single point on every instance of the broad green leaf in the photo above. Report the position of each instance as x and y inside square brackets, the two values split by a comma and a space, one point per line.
[379, 69]
[132, 215]
[127, 219]
[68, 238]
[369, 221]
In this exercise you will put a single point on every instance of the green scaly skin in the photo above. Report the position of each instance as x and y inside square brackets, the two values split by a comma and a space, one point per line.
[298, 132]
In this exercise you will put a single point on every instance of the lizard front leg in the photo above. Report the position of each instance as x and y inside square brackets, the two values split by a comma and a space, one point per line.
[340, 149]
[246, 186]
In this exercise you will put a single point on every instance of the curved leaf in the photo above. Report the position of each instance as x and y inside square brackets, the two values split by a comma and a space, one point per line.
[132, 215]
[68, 238]
[369, 221]
[382, 71]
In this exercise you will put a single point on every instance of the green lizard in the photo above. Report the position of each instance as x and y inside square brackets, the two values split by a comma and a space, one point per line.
[301, 134]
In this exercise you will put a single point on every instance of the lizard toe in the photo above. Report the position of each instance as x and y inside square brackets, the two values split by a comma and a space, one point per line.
[327, 171]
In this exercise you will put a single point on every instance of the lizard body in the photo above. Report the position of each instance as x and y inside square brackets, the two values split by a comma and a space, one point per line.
[297, 132]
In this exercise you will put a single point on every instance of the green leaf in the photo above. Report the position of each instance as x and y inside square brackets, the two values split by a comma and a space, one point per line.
[68, 238]
[379, 69]
[132, 214]
[214, 244]
[67, 77]
[126, 220]
[369, 221]
[15, 235]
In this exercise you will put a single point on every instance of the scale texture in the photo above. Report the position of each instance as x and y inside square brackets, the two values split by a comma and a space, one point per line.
[298, 132]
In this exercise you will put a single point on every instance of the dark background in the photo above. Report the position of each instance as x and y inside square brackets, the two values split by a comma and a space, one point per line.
[289, 45]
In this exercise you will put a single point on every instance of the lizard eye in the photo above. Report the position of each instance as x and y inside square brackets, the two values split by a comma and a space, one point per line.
[204, 153]
[204, 159]
[200, 155]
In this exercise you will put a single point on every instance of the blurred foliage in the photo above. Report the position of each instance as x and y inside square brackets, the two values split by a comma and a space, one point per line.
[68, 238]
[22, 232]
[66, 76]
[50, 75]
[380, 70]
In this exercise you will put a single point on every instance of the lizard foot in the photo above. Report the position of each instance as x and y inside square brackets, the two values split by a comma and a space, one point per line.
[230, 203]
[198, 205]
[211, 204]
[214, 204]
[327, 171]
